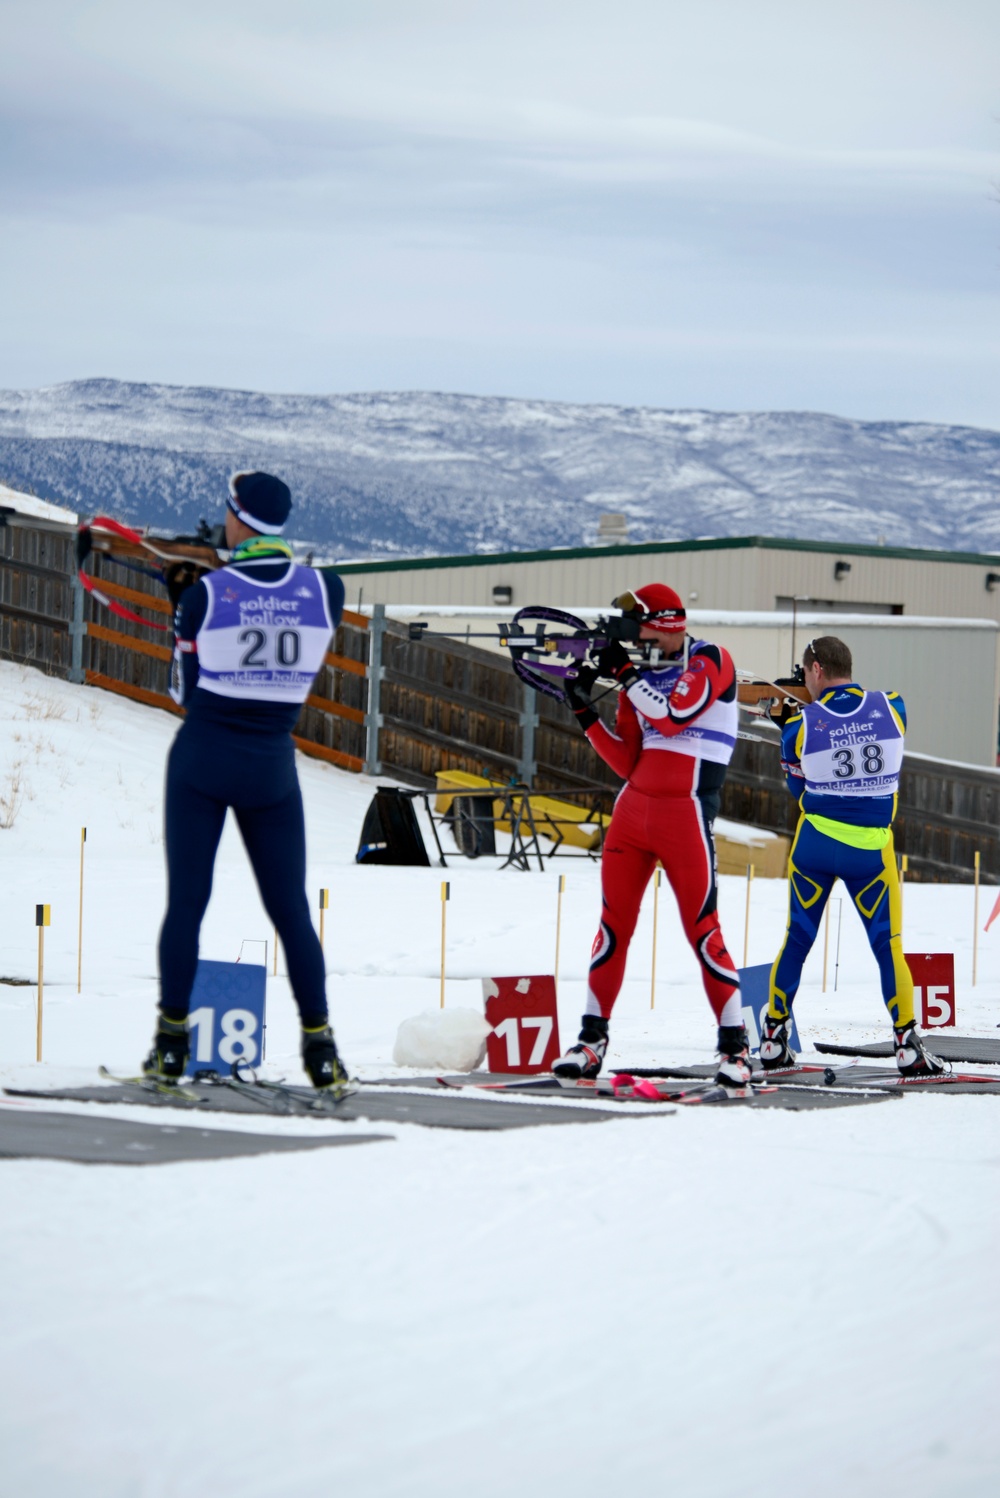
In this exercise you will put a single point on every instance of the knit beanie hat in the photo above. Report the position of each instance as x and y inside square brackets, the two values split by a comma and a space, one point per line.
[261, 501]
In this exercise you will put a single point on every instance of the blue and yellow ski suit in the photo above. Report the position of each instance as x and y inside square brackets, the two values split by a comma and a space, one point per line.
[841, 756]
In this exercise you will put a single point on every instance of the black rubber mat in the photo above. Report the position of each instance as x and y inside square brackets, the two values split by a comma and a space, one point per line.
[115, 1141]
[805, 1099]
[482, 1101]
[441, 1109]
[470, 1110]
[976, 1048]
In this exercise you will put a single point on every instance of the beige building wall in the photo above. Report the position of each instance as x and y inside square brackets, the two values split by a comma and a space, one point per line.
[716, 576]
[946, 670]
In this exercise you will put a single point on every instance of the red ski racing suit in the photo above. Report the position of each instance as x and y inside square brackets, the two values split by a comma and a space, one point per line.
[675, 735]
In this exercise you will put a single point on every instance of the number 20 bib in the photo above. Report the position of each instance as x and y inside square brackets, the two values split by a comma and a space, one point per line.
[852, 754]
[263, 641]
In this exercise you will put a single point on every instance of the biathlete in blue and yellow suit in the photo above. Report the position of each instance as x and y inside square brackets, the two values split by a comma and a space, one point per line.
[842, 756]
[249, 639]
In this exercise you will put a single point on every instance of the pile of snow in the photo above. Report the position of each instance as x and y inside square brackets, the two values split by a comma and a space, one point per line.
[442, 1039]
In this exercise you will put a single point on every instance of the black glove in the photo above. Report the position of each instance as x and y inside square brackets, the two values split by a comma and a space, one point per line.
[577, 692]
[614, 660]
[785, 709]
[181, 575]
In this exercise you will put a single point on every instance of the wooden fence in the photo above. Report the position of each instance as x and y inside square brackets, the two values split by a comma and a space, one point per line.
[38, 604]
[388, 704]
[49, 621]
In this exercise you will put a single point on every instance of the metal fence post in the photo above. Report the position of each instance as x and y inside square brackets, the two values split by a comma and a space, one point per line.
[77, 630]
[373, 717]
[529, 722]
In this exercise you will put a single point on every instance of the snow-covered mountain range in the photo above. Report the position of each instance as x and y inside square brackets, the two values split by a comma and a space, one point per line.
[426, 474]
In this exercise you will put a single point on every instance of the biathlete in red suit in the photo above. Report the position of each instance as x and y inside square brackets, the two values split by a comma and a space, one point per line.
[674, 736]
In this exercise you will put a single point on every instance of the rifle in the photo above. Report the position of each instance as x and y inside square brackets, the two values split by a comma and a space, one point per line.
[183, 559]
[549, 648]
[544, 658]
[776, 699]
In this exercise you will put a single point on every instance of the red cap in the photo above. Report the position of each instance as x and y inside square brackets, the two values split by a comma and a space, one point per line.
[659, 605]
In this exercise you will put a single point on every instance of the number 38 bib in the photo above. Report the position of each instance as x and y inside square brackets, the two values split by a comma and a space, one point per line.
[263, 641]
[852, 754]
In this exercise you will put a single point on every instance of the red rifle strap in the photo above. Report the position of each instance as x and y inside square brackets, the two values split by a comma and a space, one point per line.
[118, 608]
[105, 523]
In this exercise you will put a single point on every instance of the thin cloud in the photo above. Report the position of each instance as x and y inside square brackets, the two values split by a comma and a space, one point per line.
[640, 202]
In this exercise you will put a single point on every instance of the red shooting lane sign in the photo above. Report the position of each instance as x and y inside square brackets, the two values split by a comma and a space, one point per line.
[933, 987]
[525, 1033]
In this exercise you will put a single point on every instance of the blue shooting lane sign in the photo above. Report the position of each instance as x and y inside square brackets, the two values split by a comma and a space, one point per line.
[227, 1016]
[755, 987]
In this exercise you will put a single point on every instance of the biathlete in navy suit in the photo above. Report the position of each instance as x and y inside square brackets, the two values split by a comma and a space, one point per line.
[674, 736]
[249, 639]
[842, 755]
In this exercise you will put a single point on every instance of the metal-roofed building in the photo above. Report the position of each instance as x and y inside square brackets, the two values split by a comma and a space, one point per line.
[744, 572]
[939, 642]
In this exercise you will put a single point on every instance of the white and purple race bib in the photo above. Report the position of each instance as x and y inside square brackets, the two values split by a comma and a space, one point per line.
[263, 641]
[852, 754]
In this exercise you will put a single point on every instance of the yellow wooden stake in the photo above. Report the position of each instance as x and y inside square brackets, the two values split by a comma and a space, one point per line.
[746, 920]
[656, 915]
[43, 918]
[445, 896]
[562, 886]
[826, 941]
[79, 933]
[975, 920]
[324, 904]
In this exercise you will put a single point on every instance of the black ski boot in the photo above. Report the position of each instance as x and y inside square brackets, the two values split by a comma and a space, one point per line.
[586, 1058]
[775, 1043]
[734, 1056]
[321, 1058]
[171, 1048]
[912, 1056]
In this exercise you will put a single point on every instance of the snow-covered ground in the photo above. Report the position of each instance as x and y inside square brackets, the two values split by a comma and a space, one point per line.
[720, 1302]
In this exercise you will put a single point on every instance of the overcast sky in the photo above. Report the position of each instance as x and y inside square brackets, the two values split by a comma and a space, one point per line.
[733, 204]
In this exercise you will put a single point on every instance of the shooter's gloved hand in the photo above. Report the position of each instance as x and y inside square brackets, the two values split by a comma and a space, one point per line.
[614, 660]
[577, 691]
[787, 707]
[181, 575]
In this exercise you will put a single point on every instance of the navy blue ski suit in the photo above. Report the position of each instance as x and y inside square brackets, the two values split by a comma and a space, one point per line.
[233, 751]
